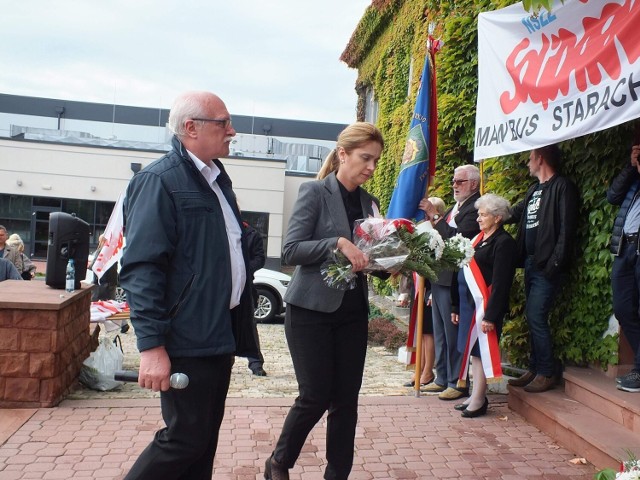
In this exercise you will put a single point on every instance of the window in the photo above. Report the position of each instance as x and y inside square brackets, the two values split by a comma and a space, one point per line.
[370, 106]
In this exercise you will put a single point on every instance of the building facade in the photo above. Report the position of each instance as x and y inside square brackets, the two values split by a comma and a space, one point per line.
[78, 157]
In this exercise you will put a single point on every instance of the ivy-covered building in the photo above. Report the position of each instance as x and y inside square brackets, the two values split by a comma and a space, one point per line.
[388, 49]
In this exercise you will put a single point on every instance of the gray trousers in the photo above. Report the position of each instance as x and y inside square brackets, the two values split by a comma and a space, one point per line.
[445, 337]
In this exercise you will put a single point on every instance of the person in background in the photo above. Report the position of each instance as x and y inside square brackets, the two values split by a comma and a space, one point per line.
[257, 260]
[461, 218]
[7, 251]
[8, 271]
[546, 220]
[625, 273]
[24, 265]
[428, 345]
[185, 271]
[483, 298]
[327, 328]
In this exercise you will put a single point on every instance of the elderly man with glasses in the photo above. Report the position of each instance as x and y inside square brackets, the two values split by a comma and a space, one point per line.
[461, 218]
[186, 274]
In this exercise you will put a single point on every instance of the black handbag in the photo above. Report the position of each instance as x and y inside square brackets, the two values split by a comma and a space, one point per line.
[26, 275]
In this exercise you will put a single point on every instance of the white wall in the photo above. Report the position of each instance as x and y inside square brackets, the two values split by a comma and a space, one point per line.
[67, 171]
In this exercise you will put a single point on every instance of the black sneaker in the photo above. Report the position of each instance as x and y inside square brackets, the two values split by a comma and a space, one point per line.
[259, 372]
[622, 377]
[630, 382]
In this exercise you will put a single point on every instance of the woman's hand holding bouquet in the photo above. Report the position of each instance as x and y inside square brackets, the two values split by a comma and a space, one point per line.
[395, 246]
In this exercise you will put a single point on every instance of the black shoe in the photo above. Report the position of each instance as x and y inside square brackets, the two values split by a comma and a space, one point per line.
[274, 471]
[630, 382]
[124, 328]
[259, 371]
[412, 383]
[460, 407]
[622, 377]
[476, 413]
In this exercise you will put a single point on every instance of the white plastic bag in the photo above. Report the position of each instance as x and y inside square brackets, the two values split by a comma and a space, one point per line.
[97, 370]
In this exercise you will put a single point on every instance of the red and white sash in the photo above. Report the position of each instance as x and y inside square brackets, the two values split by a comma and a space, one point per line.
[489, 348]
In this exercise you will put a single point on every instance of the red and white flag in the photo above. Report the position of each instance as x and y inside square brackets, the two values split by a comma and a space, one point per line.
[111, 252]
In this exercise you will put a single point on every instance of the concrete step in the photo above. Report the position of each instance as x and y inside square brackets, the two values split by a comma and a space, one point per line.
[596, 390]
[580, 429]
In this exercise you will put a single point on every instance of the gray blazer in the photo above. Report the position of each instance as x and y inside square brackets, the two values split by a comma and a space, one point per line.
[318, 220]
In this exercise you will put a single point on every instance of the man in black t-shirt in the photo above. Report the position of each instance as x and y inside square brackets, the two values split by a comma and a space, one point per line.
[547, 223]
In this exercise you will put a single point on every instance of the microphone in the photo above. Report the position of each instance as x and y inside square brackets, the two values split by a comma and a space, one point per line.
[176, 380]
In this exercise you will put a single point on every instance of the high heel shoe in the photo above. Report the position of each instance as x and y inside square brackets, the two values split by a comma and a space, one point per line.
[476, 413]
[461, 407]
[274, 471]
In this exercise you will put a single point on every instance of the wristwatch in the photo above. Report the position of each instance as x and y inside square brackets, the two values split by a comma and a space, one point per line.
[435, 218]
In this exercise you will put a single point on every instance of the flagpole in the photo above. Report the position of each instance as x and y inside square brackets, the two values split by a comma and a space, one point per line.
[432, 150]
[419, 320]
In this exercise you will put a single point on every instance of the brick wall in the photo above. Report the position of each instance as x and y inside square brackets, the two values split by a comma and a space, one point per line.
[44, 338]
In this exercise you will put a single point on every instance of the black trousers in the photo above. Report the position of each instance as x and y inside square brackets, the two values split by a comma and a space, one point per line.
[185, 448]
[328, 352]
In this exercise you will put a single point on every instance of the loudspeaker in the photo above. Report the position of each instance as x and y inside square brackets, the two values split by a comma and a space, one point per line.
[68, 238]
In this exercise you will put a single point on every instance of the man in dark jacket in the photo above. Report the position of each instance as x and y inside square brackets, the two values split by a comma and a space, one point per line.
[185, 272]
[461, 218]
[546, 227]
[624, 191]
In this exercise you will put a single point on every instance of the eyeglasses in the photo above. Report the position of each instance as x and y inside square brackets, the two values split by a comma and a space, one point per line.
[458, 182]
[223, 122]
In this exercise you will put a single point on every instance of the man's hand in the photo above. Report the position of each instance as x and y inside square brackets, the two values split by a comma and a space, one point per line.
[427, 207]
[357, 258]
[155, 369]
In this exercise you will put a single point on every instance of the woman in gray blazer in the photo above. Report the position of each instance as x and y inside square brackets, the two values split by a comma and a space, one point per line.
[326, 328]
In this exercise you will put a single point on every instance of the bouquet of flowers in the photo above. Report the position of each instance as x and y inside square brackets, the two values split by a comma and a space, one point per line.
[458, 252]
[629, 470]
[398, 246]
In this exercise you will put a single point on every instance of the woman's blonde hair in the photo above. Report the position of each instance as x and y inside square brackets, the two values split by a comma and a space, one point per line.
[354, 136]
[15, 241]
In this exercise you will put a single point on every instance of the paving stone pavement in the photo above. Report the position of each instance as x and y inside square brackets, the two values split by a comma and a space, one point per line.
[399, 436]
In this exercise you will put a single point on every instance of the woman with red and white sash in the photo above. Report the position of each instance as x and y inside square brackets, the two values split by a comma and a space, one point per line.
[480, 299]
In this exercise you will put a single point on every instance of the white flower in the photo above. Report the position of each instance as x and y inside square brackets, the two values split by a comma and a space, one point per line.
[464, 246]
[436, 244]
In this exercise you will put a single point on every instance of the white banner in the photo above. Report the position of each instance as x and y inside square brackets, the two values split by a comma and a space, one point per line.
[111, 252]
[561, 75]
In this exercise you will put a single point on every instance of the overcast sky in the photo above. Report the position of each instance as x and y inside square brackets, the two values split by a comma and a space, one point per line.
[274, 58]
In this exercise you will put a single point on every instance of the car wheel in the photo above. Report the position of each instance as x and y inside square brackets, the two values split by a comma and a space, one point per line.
[120, 295]
[267, 305]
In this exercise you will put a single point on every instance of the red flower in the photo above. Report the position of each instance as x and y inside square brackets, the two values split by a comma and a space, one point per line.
[404, 223]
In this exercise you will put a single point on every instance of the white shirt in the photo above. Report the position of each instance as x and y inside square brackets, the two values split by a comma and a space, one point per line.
[238, 272]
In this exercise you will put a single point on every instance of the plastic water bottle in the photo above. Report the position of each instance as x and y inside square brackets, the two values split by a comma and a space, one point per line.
[70, 284]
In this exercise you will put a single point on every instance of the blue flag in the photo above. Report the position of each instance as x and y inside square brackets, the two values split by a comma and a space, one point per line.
[413, 178]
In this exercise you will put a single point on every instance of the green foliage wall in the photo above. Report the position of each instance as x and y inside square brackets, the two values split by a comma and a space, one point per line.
[392, 35]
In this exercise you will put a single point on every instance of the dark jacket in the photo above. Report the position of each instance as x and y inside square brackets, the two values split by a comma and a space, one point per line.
[495, 258]
[623, 191]
[176, 268]
[8, 271]
[257, 259]
[466, 225]
[557, 215]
